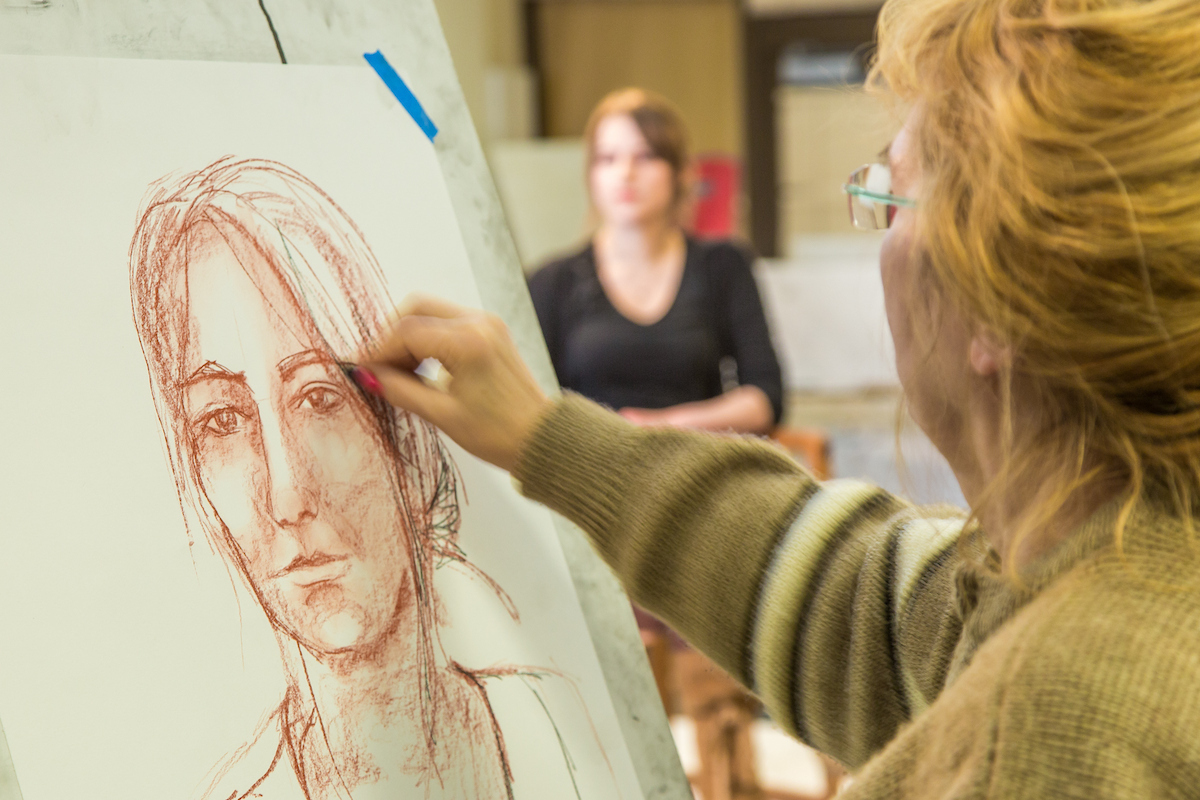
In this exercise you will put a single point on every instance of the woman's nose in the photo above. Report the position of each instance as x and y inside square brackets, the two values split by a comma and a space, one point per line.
[290, 498]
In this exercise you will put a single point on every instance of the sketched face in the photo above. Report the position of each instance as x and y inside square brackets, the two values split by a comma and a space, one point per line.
[289, 455]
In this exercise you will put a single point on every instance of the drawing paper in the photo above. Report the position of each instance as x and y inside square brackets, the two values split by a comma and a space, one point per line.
[211, 549]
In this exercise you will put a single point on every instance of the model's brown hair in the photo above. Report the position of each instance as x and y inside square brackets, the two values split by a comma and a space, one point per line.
[660, 123]
[1059, 143]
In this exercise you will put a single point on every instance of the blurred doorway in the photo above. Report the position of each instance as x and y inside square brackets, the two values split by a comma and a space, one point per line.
[777, 36]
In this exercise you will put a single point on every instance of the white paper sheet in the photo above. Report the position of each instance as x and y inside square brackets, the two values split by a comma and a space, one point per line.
[135, 661]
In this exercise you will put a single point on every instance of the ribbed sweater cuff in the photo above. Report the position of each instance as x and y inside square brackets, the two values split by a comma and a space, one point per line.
[574, 463]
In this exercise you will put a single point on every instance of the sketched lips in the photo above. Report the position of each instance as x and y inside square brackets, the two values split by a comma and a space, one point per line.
[307, 570]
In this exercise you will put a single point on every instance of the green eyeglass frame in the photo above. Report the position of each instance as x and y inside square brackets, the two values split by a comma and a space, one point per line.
[872, 205]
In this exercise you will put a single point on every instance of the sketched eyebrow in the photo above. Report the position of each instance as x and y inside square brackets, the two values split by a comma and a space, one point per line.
[302, 359]
[211, 369]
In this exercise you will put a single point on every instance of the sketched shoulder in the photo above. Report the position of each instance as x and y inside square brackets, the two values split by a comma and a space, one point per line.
[261, 768]
[551, 743]
[531, 709]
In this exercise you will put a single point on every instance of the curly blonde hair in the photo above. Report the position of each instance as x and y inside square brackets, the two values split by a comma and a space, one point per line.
[1059, 143]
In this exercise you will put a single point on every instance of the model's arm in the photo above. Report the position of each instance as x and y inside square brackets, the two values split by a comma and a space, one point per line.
[831, 601]
[743, 326]
[745, 409]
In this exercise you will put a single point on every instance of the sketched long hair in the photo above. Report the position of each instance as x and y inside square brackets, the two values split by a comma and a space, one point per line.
[322, 259]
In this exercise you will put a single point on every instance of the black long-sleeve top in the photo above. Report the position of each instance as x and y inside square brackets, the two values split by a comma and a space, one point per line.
[603, 355]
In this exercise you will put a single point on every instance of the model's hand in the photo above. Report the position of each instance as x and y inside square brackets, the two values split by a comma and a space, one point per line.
[745, 409]
[489, 403]
[649, 417]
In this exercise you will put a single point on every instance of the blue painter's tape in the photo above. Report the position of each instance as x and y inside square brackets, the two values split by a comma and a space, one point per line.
[402, 92]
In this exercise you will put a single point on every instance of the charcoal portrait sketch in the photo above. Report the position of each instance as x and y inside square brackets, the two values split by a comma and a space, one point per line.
[226, 571]
[249, 284]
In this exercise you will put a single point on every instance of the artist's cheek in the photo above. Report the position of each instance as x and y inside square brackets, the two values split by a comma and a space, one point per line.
[897, 260]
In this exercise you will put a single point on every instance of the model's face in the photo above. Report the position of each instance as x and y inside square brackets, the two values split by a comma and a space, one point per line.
[629, 184]
[290, 457]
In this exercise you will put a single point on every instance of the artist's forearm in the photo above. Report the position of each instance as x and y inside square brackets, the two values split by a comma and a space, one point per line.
[792, 586]
[687, 520]
[745, 409]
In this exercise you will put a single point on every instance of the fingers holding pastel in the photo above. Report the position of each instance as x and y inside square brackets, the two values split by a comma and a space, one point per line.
[489, 403]
[424, 305]
[408, 391]
[427, 327]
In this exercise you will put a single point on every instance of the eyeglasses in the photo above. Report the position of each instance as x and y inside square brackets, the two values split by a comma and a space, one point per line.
[872, 204]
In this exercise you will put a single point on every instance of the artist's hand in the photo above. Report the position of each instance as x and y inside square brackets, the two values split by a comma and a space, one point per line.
[490, 402]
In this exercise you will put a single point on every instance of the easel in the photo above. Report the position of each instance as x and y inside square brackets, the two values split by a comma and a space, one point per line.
[329, 32]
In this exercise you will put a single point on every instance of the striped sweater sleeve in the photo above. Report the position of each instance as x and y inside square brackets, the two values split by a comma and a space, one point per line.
[832, 601]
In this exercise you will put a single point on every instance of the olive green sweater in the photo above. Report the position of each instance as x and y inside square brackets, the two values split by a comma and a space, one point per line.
[881, 634]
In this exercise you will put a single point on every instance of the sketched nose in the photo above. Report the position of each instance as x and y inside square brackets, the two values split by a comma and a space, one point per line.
[291, 501]
[291, 504]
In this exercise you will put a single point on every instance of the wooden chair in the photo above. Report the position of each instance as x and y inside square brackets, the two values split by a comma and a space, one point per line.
[662, 665]
[810, 446]
[722, 712]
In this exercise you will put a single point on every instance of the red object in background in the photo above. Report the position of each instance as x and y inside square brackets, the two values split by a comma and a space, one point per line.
[718, 178]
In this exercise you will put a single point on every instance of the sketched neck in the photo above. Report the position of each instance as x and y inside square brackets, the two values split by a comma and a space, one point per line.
[349, 713]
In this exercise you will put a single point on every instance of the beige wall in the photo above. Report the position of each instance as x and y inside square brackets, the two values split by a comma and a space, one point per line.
[465, 25]
[824, 134]
[484, 36]
[767, 8]
[688, 51]
[545, 198]
[505, 33]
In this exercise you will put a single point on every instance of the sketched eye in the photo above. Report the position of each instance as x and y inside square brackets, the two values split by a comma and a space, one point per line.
[222, 421]
[321, 399]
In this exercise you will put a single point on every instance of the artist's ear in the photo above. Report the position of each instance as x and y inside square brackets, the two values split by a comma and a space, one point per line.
[988, 356]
